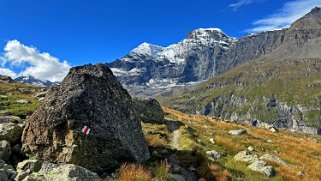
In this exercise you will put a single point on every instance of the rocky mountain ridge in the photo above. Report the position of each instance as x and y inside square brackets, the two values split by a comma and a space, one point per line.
[36, 82]
[209, 52]
[192, 59]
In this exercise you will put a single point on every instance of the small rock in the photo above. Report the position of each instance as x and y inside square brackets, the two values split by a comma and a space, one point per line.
[213, 155]
[250, 148]
[2, 163]
[40, 94]
[7, 167]
[269, 141]
[16, 148]
[255, 122]
[31, 165]
[21, 175]
[3, 175]
[176, 168]
[23, 101]
[262, 167]
[273, 158]
[50, 171]
[246, 156]
[25, 91]
[237, 132]
[175, 177]
[11, 173]
[10, 119]
[212, 141]
[5, 113]
[10, 131]
[5, 150]
[313, 140]
[301, 173]
[273, 129]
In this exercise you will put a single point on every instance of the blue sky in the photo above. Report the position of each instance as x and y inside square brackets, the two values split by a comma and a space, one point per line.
[91, 31]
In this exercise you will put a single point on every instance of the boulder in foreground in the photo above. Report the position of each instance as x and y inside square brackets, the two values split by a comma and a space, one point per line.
[88, 121]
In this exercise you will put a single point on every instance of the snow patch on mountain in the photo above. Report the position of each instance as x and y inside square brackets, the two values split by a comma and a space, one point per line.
[36, 82]
[147, 49]
[122, 72]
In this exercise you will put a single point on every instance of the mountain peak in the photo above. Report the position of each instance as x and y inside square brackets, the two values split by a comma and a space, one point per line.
[147, 49]
[210, 35]
[316, 10]
[205, 33]
[312, 20]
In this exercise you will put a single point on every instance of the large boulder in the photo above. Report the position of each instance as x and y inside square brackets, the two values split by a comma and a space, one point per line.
[149, 110]
[90, 100]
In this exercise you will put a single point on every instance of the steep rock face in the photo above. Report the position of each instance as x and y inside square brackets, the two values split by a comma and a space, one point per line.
[192, 59]
[301, 40]
[89, 96]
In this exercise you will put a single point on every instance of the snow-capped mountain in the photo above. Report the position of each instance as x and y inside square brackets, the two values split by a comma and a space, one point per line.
[192, 59]
[33, 81]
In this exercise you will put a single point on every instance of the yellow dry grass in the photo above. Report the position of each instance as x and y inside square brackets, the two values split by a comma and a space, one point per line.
[155, 140]
[133, 172]
[303, 155]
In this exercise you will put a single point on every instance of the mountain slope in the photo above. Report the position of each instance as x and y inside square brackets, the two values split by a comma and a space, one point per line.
[301, 40]
[281, 87]
[285, 93]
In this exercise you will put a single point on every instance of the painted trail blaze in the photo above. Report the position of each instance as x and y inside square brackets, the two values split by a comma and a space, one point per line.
[86, 130]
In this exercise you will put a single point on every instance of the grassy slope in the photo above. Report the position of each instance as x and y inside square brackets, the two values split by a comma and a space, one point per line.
[293, 148]
[294, 82]
[195, 133]
[11, 92]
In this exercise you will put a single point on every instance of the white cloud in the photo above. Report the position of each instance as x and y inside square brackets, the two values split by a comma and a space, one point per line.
[42, 66]
[285, 16]
[235, 6]
[8, 72]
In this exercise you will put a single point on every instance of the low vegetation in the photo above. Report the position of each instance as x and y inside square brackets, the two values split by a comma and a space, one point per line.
[294, 83]
[301, 151]
[133, 172]
[196, 135]
[10, 93]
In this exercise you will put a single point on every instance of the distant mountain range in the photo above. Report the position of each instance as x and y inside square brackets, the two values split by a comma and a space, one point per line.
[273, 76]
[208, 52]
[193, 59]
[37, 82]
